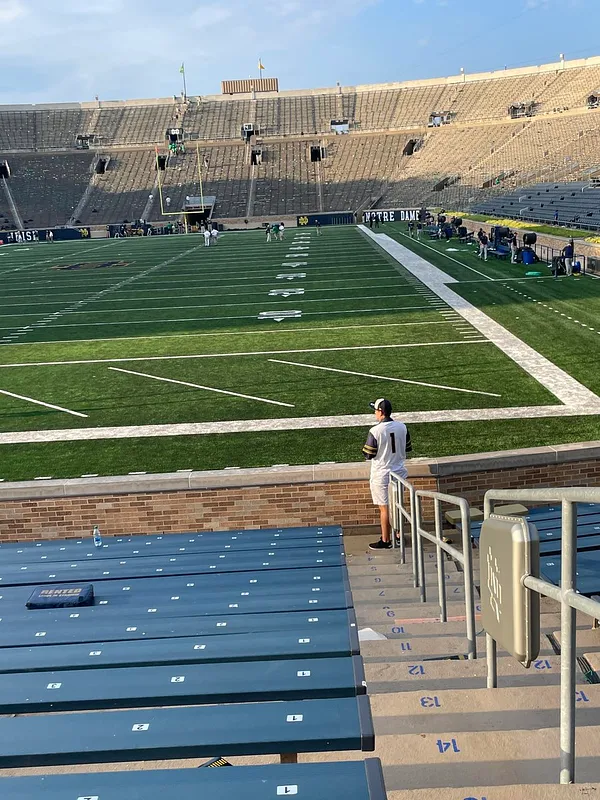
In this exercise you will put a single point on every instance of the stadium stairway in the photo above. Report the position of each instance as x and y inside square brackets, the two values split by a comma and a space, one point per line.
[440, 734]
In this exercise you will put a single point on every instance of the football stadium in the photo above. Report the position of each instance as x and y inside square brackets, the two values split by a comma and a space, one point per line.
[273, 348]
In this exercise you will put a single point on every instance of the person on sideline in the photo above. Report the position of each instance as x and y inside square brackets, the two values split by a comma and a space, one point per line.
[318, 227]
[206, 235]
[215, 235]
[268, 232]
[513, 248]
[386, 447]
[568, 253]
[483, 244]
[281, 231]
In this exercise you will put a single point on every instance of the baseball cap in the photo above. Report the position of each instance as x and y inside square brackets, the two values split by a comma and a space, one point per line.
[382, 405]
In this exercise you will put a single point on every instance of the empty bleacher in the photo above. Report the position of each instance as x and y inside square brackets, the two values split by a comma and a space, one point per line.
[47, 188]
[122, 192]
[478, 155]
[227, 178]
[286, 181]
[576, 203]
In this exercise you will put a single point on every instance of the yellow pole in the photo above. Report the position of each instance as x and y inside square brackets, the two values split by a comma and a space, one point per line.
[160, 194]
[200, 176]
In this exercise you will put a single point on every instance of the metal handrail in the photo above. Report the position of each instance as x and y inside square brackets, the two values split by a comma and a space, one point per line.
[569, 601]
[465, 558]
[399, 515]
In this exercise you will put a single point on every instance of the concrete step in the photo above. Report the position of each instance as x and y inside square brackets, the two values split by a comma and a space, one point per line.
[384, 565]
[401, 647]
[435, 676]
[545, 791]
[410, 594]
[375, 582]
[588, 639]
[594, 659]
[431, 626]
[464, 760]
[468, 710]
[410, 612]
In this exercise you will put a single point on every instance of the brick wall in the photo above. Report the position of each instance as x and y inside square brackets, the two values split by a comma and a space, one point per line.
[274, 497]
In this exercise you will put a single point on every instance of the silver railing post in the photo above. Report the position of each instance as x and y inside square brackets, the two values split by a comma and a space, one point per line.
[413, 531]
[464, 558]
[492, 662]
[401, 521]
[570, 602]
[400, 517]
[420, 556]
[441, 567]
[491, 653]
[465, 519]
[567, 643]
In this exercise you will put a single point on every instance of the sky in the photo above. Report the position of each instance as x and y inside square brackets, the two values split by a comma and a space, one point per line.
[72, 50]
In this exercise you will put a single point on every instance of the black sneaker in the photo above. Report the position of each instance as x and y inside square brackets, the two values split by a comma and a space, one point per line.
[380, 545]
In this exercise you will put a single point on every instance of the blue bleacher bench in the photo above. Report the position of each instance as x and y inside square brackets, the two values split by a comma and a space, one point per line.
[584, 543]
[143, 546]
[181, 684]
[165, 542]
[588, 523]
[295, 726]
[27, 634]
[588, 571]
[328, 642]
[310, 599]
[214, 584]
[162, 566]
[355, 780]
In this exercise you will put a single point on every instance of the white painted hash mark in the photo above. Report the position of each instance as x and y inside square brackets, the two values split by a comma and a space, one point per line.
[384, 378]
[199, 386]
[46, 405]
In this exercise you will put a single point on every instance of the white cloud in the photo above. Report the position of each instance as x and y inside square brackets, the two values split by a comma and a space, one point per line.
[75, 49]
[11, 10]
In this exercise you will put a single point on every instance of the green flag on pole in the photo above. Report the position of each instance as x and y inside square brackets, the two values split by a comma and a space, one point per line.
[182, 69]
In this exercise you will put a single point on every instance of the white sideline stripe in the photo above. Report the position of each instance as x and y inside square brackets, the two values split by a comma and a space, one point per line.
[289, 424]
[564, 387]
[40, 403]
[129, 359]
[199, 386]
[450, 258]
[384, 378]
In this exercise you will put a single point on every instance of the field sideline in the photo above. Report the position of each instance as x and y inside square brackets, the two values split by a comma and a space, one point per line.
[159, 354]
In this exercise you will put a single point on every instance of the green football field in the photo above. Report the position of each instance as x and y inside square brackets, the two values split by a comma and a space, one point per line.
[158, 354]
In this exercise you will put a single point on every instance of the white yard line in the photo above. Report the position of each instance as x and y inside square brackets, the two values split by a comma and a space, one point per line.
[288, 424]
[229, 333]
[199, 386]
[203, 295]
[568, 390]
[261, 303]
[40, 403]
[242, 353]
[383, 377]
[155, 321]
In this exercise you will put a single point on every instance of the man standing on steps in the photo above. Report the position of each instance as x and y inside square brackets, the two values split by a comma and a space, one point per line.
[386, 447]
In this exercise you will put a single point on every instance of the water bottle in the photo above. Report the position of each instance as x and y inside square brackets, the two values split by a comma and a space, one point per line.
[97, 536]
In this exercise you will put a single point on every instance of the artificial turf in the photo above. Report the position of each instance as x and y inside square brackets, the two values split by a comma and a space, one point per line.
[167, 307]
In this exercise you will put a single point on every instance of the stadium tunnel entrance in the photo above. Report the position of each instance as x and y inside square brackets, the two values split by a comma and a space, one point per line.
[199, 209]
